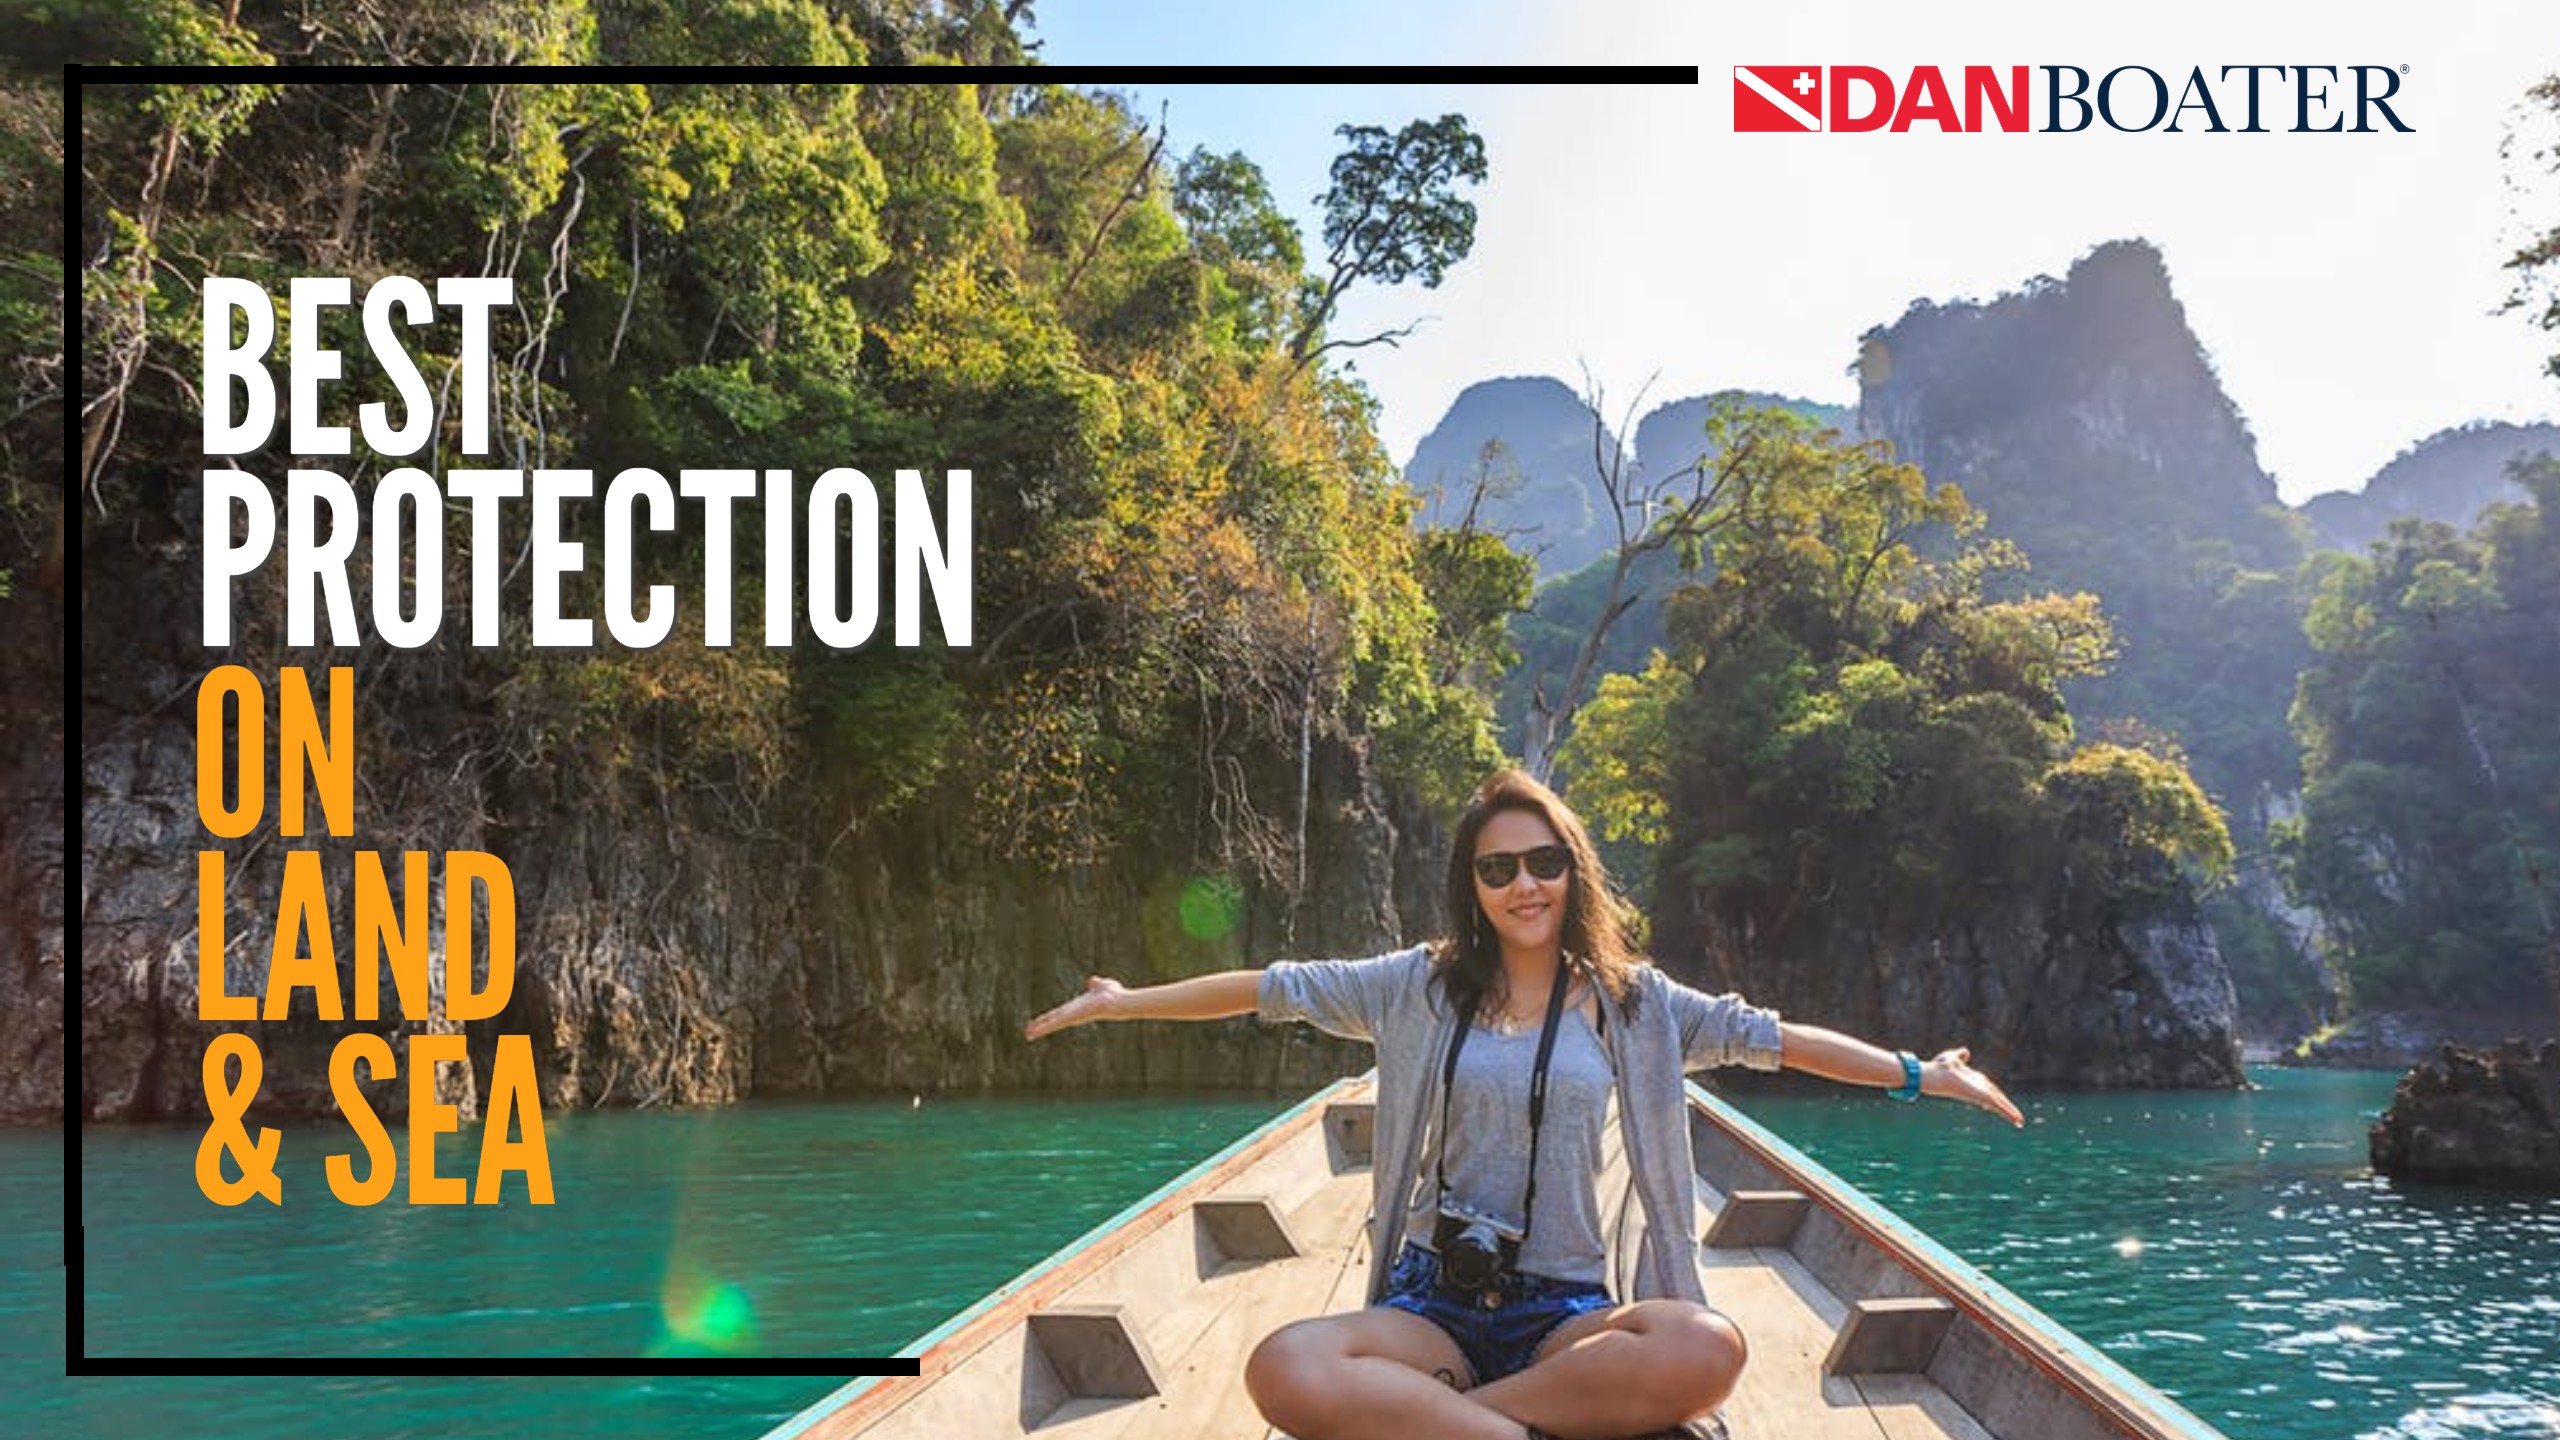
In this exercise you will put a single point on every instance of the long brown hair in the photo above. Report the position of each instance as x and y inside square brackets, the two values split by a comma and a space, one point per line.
[1468, 963]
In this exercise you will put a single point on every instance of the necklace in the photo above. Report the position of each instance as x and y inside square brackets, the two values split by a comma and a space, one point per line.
[1507, 1024]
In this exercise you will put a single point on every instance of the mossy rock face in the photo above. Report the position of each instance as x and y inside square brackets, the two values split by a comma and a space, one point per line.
[2485, 1117]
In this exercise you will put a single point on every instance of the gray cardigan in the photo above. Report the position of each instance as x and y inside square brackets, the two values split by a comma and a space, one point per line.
[1388, 1001]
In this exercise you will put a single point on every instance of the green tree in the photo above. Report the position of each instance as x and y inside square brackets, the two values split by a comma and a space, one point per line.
[2130, 808]
[1845, 732]
[2537, 265]
[1617, 766]
[1197, 576]
[1675, 514]
[1237, 228]
[2428, 835]
[32, 370]
[1393, 213]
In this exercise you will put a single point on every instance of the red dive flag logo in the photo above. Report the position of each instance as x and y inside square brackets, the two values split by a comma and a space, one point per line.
[1777, 97]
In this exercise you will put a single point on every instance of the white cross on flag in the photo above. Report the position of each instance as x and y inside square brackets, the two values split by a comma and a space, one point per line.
[1777, 97]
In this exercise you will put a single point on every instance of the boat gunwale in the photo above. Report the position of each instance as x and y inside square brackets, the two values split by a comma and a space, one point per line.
[954, 1341]
[2131, 1404]
[2102, 1386]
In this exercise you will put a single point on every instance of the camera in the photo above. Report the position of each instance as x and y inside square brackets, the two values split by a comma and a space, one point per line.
[1476, 1251]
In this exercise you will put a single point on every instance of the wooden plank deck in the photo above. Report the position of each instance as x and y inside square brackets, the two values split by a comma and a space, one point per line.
[1788, 1319]
[1155, 1307]
[1218, 1327]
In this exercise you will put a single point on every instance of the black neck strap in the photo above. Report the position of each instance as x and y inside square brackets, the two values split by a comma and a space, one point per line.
[1537, 1094]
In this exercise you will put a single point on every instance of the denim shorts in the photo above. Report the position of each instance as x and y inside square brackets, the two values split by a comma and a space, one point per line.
[1496, 1340]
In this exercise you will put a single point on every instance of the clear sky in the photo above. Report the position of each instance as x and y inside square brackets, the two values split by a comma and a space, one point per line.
[2346, 287]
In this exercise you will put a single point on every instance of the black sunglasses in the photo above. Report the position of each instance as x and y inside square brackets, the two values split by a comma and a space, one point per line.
[1547, 862]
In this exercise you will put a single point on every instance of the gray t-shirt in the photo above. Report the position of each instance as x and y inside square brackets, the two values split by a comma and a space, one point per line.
[1662, 1029]
[1489, 1146]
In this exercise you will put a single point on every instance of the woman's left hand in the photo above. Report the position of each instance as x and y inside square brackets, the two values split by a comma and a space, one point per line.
[1950, 1076]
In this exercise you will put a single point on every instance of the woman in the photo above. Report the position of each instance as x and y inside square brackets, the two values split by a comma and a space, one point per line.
[1491, 1312]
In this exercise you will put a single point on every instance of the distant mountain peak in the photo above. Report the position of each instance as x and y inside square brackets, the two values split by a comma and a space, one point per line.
[2133, 269]
[2082, 417]
[2450, 476]
[1547, 498]
[2098, 367]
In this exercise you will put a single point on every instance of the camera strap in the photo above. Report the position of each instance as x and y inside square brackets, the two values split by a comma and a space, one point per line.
[1537, 1094]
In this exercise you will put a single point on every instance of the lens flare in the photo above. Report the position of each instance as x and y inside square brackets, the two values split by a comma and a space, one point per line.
[1211, 907]
[702, 1315]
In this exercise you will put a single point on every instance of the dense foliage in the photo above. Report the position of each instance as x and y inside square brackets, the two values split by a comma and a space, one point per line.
[1192, 559]
[1845, 725]
[31, 369]
[2429, 838]
[2084, 417]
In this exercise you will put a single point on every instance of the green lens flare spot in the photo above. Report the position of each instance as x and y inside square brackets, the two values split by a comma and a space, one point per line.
[716, 1318]
[726, 1320]
[1212, 906]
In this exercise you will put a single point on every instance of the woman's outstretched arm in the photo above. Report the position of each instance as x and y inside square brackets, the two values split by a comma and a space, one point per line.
[1203, 997]
[1833, 1056]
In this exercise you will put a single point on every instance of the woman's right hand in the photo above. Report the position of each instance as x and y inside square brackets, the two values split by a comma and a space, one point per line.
[1100, 1001]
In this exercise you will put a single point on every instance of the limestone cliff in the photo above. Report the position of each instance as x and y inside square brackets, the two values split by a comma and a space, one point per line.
[2039, 1001]
[2083, 417]
[31, 825]
[2451, 476]
[669, 950]
[1530, 439]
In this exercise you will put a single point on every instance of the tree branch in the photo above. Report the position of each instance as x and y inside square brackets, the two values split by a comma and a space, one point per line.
[1129, 196]
[1388, 338]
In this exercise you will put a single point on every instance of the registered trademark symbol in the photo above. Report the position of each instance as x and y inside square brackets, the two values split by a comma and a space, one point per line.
[2404, 69]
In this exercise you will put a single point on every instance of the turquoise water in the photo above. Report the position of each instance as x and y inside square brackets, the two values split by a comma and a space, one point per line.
[2228, 1248]
[2234, 1250]
[776, 1229]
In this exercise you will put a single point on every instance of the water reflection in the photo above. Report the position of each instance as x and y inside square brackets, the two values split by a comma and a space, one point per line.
[2236, 1252]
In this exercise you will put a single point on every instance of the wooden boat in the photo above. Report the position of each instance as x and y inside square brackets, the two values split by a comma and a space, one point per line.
[1860, 1327]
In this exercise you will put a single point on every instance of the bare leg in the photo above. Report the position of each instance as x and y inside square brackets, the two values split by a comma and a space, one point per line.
[1623, 1371]
[1377, 1374]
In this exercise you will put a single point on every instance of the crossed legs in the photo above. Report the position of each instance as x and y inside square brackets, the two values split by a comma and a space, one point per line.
[1387, 1375]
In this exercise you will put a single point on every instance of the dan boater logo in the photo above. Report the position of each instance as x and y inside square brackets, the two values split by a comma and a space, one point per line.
[2130, 99]
[1777, 97]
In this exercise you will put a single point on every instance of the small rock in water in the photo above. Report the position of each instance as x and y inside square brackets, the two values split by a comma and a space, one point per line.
[2476, 1117]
